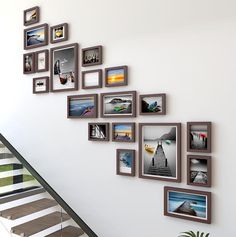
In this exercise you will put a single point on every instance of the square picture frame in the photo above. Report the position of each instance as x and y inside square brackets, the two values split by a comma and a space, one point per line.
[59, 33]
[152, 104]
[31, 16]
[116, 76]
[123, 132]
[35, 37]
[92, 56]
[125, 162]
[160, 151]
[40, 85]
[42, 61]
[118, 104]
[99, 132]
[29, 63]
[92, 79]
[82, 106]
[64, 68]
[199, 137]
[193, 205]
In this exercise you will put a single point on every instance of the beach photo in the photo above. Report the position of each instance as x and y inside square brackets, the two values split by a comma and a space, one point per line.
[59, 33]
[92, 79]
[28, 63]
[123, 132]
[98, 131]
[92, 56]
[31, 16]
[159, 147]
[40, 85]
[41, 61]
[116, 76]
[125, 162]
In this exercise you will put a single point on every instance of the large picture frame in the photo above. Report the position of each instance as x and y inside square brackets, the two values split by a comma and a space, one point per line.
[187, 204]
[31, 16]
[160, 151]
[98, 132]
[125, 162]
[42, 61]
[123, 132]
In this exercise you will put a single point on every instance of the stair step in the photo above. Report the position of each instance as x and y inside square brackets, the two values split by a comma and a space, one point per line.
[2, 145]
[39, 224]
[6, 155]
[28, 208]
[15, 179]
[10, 167]
[69, 231]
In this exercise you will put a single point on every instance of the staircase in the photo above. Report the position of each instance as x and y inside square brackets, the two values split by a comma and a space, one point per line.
[29, 206]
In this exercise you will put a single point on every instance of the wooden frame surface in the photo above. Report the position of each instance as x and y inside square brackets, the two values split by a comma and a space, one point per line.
[99, 71]
[107, 128]
[118, 171]
[132, 125]
[47, 85]
[46, 60]
[27, 23]
[100, 61]
[66, 32]
[33, 63]
[125, 68]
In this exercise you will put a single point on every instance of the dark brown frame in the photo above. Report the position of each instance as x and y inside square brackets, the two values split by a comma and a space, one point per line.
[47, 85]
[33, 66]
[178, 158]
[65, 25]
[133, 132]
[133, 114]
[125, 68]
[37, 16]
[163, 96]
[76, 48]
[99, 47]
[95, 97]
[38, 45]
[188, 191]
[118, 172]
[99, 71]
[208, 124]
[209, 170]
[46, 61]
[97, 139]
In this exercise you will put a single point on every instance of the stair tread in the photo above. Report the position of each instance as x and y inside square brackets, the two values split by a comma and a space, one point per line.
[69, 231]
[2, 145]
[39, 224]
[6, 155]
[28, 208]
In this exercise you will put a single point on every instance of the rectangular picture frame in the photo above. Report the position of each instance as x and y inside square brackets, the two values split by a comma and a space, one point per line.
[40, 85]
[95, 79]
[42, 61]
[126, 132]
[31, 16]
[99, 132]
[59, 33]
[29, 63]
[125, 162]
[116, 76]
[92, 56]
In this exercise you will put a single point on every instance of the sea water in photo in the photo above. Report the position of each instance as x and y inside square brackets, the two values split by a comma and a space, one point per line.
[125, 162]
[35, 36]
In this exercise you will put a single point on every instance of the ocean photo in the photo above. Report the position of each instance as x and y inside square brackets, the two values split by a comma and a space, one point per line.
[125, 158]
[198, 137]
[151, 104]
[35, 36]
[123, 132]
[198, 171]
[115, 76]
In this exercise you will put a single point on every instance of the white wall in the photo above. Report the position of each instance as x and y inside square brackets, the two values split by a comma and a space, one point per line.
[184, 48]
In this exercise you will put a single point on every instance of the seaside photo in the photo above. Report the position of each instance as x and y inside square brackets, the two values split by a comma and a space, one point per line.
[29, 63]
[92, 56]
[125, 162]
[116, 76]
[98, 131]
[92, 79]
[59, 33]
[40, 85]
[123, 132]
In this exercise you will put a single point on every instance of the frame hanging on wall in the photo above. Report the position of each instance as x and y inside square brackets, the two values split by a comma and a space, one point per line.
[31, 16]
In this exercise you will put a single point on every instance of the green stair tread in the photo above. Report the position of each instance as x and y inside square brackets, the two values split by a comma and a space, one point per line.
[69, 231]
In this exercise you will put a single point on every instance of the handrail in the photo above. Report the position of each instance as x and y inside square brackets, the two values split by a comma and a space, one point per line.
[49, 189]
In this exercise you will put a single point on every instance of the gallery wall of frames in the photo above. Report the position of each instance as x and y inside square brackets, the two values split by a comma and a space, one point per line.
[159, 155]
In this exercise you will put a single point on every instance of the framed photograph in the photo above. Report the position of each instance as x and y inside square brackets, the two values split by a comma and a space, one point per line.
[40, 85]
[92, 79]
[160, 151]
[125, 162]
[92, 56]
[28, 63]
[98, 132]
[152, 104]
[31, 16]
[199, 170]
[199, 137]
[123, 132]
[59, 33]
[118, 104]
[82, 106]
[64, 68]
[36, 36]
[41, 61]
[187, 204]
[116, 76]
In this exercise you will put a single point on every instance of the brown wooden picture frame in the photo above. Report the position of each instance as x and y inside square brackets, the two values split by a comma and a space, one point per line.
[125, 76]
[94, 61]
[46, 90]
[87, 110]
[29, 63]
[99, 74]
[187, 213]
[46, 68]
[106, 131]
[122, 113]
[202, 176]
[143, 107]
[36, 17]
[124, 138]
[61, 80]
[37, 43]
[159, 168]
[118, 167]
[65, 31]
[204, 141]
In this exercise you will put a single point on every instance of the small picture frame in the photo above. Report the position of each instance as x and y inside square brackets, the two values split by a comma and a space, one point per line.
[125, 162]
[31, 16]
[59, 33]
[40, 85]
[42, 61]
[98, 132]
[116, 76]
[199, 170]
[123, 132]
[29, 63]
[36, 36]
[152, 104]
[92, 79]
[187, 204]
[92, 56]
[82, 106]
[199, 137]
